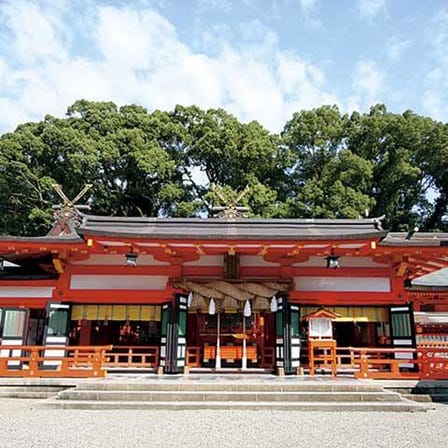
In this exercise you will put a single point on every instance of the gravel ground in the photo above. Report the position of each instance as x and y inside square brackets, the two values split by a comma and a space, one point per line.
[23, 424]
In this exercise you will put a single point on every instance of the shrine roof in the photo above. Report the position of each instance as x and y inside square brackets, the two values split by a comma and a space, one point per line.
[416, 239]
[64, 238]
[436, 279]
[232, 228]
[15, 248]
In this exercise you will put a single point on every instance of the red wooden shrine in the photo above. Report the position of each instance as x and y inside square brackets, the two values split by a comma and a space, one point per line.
[137, 282]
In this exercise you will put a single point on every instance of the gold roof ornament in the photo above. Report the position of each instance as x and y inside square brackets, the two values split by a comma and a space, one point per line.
[230, 208]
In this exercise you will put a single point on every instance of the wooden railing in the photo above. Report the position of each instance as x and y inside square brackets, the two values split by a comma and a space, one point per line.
[230, 353]
[432, 344]
[400, 363]
[433, 363]
[322, 353]
[343, 357]
[193, 356]
[267, 360]
[133, 356]
[53, 361]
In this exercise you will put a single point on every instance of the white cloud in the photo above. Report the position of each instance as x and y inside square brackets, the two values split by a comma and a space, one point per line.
[203, 6]
[434, 77]
[11, 113]
[435, 104]
[139, 58]
[368, 86]
[37, 37]
[435, 98]
[3, 69]
[309, 6]
[309, 9]
[370, 9]
[438, 34]
[395, 47]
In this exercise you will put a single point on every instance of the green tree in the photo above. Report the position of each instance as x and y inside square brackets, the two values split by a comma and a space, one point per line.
[323, 165]
[394, 143]
[221, 150]
[123, 152]
[327, 180]
[432, 158]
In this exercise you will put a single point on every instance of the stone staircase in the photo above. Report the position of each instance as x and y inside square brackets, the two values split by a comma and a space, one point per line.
[29, 391]
[424, 391]
[197, 395]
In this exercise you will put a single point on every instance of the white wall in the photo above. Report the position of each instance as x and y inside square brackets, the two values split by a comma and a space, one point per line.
[25, 291]
[362, 284]
[136, 282]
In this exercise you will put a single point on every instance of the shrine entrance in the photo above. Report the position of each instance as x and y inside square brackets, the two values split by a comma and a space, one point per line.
[222, 326]
[231, 340]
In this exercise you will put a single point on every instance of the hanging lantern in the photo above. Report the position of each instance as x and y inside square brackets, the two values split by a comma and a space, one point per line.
[131, 259]
[211, 307]
[189, 299]
[247, 310]
[274, 305]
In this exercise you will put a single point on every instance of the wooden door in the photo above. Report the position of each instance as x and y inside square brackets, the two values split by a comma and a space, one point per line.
[402, 330]
[56, 332]
[165, 338]
[13, 331]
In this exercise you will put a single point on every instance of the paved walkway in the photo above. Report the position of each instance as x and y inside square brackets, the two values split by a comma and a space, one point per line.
[23, 424]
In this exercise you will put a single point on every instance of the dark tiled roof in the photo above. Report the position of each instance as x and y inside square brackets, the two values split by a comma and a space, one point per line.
[434, 279]
[69, 239]
[217, 228]
[417, 239]
[43, 241]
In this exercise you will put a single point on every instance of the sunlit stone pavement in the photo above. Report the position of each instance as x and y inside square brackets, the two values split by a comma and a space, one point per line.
[24, 424]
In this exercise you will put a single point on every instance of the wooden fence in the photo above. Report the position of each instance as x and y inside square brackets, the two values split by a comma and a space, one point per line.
[133, 356]
[53, 361]
[400, 363]
[92, 361]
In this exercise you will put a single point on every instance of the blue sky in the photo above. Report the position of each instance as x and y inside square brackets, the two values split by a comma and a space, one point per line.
[259, 59]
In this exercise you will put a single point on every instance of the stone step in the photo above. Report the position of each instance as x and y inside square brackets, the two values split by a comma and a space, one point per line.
[417, 398]
[25, 388]
[434, 393]
[400, 406]
[35, 392]
[433, 398]
[233, 396]
[27, 394]
[439, 398]
[234, 387]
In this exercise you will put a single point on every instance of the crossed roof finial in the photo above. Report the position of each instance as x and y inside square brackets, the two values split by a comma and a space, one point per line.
[67, 214]
[230, 208]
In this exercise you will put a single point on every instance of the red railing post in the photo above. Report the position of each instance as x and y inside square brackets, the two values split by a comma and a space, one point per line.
[34, 361]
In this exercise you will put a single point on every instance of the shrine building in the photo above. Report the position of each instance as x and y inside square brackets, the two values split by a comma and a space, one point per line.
[195, 292]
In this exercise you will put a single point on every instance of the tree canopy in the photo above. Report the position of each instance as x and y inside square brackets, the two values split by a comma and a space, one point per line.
[324, 164]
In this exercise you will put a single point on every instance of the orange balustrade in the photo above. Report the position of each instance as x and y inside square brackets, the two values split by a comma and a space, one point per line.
[343, 357]
[193, 356]
[400, 363]
[133, 356]
[230, 352]
[322, 353]
[433, 363]
[53, 361]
